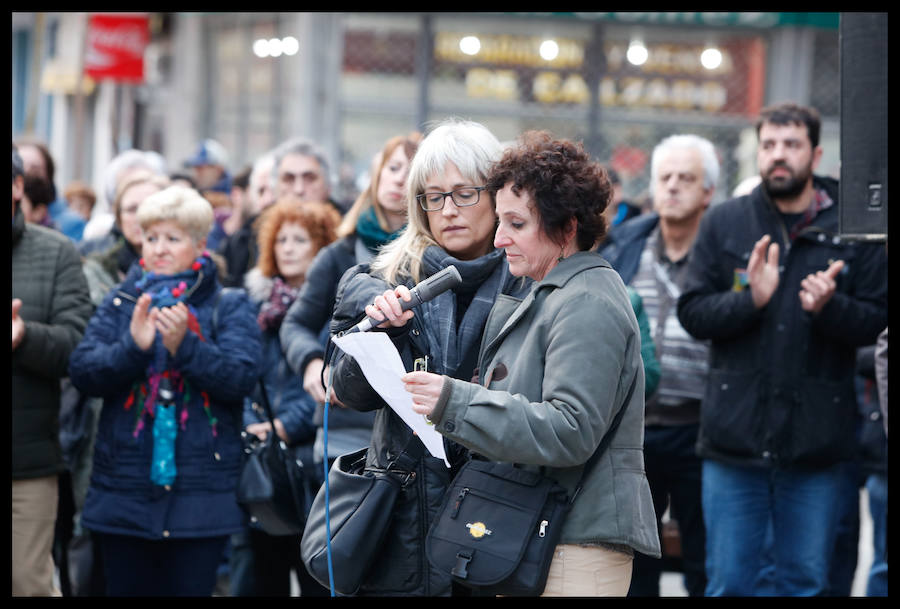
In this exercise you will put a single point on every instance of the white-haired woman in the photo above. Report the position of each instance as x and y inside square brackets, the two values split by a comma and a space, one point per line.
[172, 357]
[451, 221]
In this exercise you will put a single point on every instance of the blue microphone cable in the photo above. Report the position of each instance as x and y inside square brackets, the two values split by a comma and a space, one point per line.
[325, 464]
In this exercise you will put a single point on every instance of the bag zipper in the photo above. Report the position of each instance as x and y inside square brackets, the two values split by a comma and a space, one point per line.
[459, 499]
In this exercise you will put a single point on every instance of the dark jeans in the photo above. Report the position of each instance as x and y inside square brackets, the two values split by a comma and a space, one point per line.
[170, 567]
[846, 542]
[674, 472]
[261, 565]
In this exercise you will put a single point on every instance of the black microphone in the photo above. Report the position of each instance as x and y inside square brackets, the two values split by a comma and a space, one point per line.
[423, 292]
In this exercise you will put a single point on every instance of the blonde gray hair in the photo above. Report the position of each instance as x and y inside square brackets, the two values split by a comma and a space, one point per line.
[136, 178]
[182, 205]
[473, 149]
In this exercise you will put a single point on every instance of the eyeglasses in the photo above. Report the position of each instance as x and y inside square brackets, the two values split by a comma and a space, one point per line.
[461, 197]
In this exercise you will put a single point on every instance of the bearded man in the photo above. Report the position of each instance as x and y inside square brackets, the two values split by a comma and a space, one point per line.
[785, 302]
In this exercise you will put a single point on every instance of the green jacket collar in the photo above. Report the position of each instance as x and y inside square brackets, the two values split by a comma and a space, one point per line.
[569, 267]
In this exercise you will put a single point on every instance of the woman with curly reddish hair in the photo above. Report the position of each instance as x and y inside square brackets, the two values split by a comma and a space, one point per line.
[567, 360]
[289, 235]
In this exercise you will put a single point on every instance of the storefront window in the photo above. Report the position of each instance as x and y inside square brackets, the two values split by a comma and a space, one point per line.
[620, 85]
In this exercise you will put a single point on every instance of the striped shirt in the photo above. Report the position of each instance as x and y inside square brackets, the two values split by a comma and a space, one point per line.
[684, 360]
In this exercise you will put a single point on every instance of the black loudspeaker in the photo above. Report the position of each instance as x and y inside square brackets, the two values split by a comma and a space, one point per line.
[864, 128]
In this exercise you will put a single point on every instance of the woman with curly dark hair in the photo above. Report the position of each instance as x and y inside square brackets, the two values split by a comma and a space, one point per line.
[558, 366]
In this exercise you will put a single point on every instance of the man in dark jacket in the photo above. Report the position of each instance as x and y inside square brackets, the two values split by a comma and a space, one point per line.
[239, 248]
[785, 301]
[652, 253]
[298, 168]
[50, 310]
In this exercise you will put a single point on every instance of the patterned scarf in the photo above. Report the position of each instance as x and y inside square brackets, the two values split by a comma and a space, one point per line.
[272, 312]
[486, 277]
[370, 232]
[165, 383]
[820, 201]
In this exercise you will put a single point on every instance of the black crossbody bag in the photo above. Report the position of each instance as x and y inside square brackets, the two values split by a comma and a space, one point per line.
[272, 487]
[498, 525]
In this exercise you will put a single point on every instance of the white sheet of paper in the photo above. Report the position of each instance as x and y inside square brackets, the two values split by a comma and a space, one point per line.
[382, 367]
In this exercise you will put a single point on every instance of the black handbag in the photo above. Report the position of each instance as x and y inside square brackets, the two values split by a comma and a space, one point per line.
[272, 486]
[498, 525]
[357, 508]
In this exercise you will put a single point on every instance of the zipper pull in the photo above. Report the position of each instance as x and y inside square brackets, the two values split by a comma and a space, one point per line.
[462, 495]
[543, 530]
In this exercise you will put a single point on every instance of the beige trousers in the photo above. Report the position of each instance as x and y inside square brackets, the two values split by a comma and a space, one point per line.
[588, 571]
[34, 504]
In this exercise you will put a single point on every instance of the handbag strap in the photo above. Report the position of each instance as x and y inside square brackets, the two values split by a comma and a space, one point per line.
[409, 456]
[264, 395]
[604, 443]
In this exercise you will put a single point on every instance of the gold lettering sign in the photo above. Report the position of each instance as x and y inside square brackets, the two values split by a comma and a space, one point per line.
[510, 68]
[504, 49]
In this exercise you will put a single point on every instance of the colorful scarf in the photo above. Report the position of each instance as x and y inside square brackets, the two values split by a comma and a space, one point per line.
[272, 312]
[370, 232]
[163, 382]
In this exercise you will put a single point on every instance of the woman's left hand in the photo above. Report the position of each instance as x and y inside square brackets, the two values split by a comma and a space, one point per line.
[425, 389]
[172, 323]
[261, 430]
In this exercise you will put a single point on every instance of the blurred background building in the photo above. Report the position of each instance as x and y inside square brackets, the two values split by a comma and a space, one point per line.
[618, 81]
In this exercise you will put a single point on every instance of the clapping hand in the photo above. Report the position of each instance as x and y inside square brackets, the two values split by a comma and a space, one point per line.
[18, 324]
[762, 271]
[818, 288]
[143, 328]
[170, 322]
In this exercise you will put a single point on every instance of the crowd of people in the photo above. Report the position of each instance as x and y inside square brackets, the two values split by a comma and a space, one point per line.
[742, 344]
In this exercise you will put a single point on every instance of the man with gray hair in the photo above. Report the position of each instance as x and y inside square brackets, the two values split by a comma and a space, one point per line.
[301, 170]
[651, 253]
[297, 168]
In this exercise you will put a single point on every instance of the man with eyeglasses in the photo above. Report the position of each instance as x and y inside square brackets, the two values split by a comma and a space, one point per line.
[298, 168]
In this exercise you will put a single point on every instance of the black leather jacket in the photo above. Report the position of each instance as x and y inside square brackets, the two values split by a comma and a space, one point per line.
[403, 569]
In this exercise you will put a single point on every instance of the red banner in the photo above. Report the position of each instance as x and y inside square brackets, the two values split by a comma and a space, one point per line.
[115, 47]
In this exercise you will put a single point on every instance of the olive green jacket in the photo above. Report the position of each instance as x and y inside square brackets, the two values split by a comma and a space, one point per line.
[555, 369]
[47, 278]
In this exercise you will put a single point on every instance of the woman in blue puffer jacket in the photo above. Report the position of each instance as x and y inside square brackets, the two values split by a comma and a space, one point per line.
[173, 376]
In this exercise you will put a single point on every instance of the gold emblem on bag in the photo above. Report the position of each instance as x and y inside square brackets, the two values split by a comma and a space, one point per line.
[478, 529]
